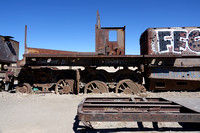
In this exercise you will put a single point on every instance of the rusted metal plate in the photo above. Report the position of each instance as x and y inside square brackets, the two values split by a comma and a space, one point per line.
[9, 50]
[172, 40]
[104, 44]
[55, 52]
[175, 73]
[134, 109]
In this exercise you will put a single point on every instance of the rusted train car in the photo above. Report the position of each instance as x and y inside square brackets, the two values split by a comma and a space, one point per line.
[172, 57]
[9, 51]
[169, 60]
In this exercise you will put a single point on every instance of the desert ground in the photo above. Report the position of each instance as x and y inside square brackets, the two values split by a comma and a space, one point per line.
[51, 113]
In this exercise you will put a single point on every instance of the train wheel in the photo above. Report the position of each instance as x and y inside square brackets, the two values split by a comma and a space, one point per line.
[127, 86]
[96, 87]
[64, 86]
[25, 88]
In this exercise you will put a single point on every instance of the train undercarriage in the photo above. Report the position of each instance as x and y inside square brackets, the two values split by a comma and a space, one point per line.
[74, 81]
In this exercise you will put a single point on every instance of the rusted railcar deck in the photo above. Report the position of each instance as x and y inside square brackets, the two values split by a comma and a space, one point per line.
[134, 110]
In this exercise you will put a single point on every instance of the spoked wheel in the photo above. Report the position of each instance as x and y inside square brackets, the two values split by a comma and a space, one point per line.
[96, 87]
[24, 88]
[64, 86]
[127, 86]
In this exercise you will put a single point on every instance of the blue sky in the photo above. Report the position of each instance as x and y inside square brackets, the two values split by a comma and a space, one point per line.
[69, 25]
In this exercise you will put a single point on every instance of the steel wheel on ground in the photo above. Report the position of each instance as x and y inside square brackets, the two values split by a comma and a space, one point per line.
[127, 86]
[64, 86]
[24, 88]
[96, 87]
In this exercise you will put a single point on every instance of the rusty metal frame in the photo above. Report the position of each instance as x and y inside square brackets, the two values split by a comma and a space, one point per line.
[134, 109]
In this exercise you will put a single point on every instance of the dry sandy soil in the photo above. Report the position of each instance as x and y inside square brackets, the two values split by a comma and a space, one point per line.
[50, 113]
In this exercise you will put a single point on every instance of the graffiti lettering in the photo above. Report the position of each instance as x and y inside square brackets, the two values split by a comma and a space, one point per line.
[162, 41]
[178, 40]
[194, 40]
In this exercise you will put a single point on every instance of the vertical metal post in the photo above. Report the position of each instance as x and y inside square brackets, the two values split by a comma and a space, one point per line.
[98, 20]
[25, 47]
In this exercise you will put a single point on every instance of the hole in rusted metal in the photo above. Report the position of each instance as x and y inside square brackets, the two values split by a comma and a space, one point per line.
[181, 83]
[113, 35]
[160, 85]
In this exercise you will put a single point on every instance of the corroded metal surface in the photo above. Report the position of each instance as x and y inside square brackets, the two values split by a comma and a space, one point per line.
[38, 51]
[9, 50]
[134, 109]
[104, 44]
[171, 40]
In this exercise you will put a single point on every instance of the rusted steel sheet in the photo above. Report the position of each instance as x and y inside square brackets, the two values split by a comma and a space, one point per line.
[172, 40]
[9, 50]
[175, 73]
[134, 109]
[38, 51]
[104, 44]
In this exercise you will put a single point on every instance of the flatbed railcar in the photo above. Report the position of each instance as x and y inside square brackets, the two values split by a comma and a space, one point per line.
[169, 60]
